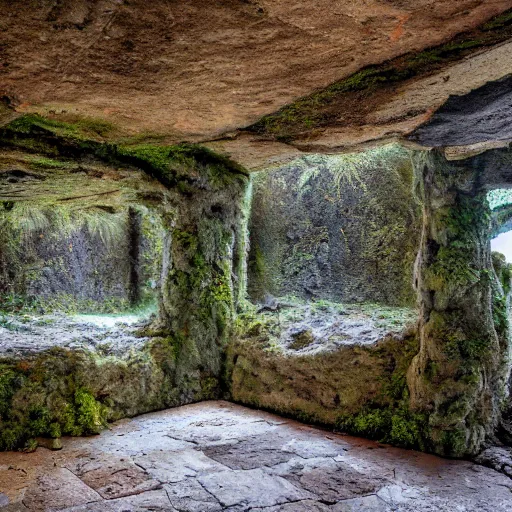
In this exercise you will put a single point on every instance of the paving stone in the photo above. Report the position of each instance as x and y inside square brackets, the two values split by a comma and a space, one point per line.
[330, 480]
[315, 447]
[252, 488]
[140, 442]
[300, 506]
[251, 453]
[396, 494]
[57, 489]
[114, 478]
[154, 501]
[362, 477]
[177, 466]
[190, 496]
[366, 504]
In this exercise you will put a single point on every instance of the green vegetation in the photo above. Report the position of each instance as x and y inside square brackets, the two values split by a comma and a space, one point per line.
[29, 407]
[499, 22]
[203, 209]
[359, 390]
[81, 128]
[186, 167]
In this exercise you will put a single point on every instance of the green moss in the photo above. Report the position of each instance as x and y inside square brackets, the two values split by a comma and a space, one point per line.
[184, 166]
[45, 163]
[499, 22]
[90, 414]
[34, 402]
[398, 427]
[82, 128]
[454, 441]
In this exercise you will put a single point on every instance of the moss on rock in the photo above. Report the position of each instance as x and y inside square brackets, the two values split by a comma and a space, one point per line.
[459, 376]
[202, 215]
[358, 389]
[342, 228]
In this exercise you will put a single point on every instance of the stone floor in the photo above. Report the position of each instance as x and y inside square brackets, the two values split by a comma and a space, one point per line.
[217, 456]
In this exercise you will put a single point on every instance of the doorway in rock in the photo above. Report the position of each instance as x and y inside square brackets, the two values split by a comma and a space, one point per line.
[500, 202]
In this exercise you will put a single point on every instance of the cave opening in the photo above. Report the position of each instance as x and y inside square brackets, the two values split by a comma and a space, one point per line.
[500, 201]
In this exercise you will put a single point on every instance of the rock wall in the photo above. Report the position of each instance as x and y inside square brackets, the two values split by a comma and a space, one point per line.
[92, 260]
[202, 201]
[354, 387]
[460, 374]
[344, 228]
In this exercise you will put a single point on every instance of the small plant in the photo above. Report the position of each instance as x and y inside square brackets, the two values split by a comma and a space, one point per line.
[7, 323]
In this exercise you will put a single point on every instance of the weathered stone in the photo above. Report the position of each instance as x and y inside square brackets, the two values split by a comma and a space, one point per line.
[367, 504]
[114, 478]
[460, 375]
[342, 228]
[56, 489]
[50, 444]
[251, 453]
[251, 488]
[497, 458]
[4, 500]
[190, 496]
[179, 466]
[332, 481]
[407, 481]
[300, 506]
[154, 501]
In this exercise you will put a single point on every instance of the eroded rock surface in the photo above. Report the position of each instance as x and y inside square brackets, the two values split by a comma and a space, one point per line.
[103, 335]
[175, 461]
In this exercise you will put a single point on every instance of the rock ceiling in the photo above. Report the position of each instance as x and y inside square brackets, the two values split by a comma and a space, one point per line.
[208, 70]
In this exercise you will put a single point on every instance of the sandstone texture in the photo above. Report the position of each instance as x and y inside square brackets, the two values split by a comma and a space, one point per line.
[177, 81]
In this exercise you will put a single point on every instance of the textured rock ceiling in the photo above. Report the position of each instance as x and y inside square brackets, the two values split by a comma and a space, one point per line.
[197, 70]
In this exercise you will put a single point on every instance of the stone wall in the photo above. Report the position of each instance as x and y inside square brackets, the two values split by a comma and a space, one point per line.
[343, 228]
[202, 200]
[73, 259]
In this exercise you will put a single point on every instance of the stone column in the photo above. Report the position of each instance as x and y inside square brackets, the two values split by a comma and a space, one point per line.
[459, 376]
[203, 271]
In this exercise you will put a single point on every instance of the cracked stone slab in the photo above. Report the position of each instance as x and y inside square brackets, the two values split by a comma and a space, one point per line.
[366, 504]
[170, 468]
[57, 489]
[363, 476]
[272, 448]
[251, 453]
[330, 480]
[138, 442]
[299, 506]
[151, 501]
[251, 488]
[113, 478]
[219, 429]
[191, 496]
